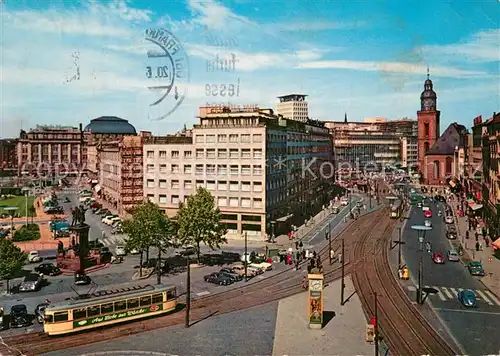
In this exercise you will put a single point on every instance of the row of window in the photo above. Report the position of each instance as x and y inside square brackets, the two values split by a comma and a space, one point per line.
[200, 169]
[231, 138]
[233, 186]
[233, 202]
[210, 153]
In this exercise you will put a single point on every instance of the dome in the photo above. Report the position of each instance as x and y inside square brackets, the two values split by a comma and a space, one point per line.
[110, 125]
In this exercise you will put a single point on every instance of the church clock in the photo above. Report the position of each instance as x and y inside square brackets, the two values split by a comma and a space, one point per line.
[428, 104]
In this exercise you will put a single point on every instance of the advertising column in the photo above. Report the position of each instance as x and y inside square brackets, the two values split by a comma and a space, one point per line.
[315, 301]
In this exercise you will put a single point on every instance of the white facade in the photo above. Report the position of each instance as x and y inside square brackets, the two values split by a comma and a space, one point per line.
[293, 107]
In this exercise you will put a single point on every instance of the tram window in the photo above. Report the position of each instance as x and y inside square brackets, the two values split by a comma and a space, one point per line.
[61, 316]
[157, 298]
[94, 310]
[120, 306]
[145, 301]
[170, 294]
[132, 303]
[49, 318]
[107, 308]
[79, 313]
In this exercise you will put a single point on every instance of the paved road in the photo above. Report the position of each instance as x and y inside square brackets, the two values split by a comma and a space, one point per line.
[475, 329]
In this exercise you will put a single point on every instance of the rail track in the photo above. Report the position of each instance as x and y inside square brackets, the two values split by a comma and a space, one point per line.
[278, 286]
[404, 328]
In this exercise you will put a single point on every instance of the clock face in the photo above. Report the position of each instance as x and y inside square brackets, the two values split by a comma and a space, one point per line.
[428, 103]
[316, 284]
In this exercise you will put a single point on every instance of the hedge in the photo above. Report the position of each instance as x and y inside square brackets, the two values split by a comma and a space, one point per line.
[11, 191]
[28, 232]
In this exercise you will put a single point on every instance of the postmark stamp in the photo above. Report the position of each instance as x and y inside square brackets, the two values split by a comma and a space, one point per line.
[166, 72]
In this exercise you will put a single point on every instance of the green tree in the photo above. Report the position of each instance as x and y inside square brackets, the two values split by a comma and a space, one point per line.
[12, 260]
[31, 212]
[198, 221]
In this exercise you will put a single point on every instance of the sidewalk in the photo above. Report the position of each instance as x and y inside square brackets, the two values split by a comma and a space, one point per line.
[491, 264]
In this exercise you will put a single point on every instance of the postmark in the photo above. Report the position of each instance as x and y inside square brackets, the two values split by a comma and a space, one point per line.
[166, 73]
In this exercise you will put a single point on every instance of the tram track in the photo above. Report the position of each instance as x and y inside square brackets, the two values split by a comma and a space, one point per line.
[273, 288]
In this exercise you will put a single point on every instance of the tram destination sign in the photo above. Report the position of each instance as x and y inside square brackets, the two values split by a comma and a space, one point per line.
[117, 316]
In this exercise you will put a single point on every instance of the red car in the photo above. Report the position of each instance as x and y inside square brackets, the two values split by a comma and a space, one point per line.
[428, 214]
[438, 257]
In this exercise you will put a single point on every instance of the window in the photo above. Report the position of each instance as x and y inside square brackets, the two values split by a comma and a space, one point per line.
[157, 298]
[150, 154]
[79, 313]
[245, 153]
[163, 199]
[211, 169]
[233, 202]
[222, 185]
[163, 154]
[105, 308]
[200, 153]
[150, 183]
[163, 183]
[163, 168]
[234, 186]
[200, 183]
[233, 153]
[171, 295]
[132, 303]
[151, 197]
[246, 202]
[221, 201]
[175, 184]
[210, 138]
[175, 154]
[257, 187]
[188, 154]
[233, 138]
[245, 138]
[245, 170]
[426, 129]
[257, 203]
[188, 184]
[122, 305]
[222, 153]
[211, 153]
[188, 169]
[145, 301]
[211, 185]
[257, 138]
[150, 168]
[93, 310]
[199, 139]
[245, 186]
[257, 170]
[426, 146]
[234, 169]
[175, 199]
[257, 154]
[222, 169]
[222, 138]
[175, 168]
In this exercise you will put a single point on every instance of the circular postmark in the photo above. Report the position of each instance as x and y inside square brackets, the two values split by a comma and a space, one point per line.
[166, 72]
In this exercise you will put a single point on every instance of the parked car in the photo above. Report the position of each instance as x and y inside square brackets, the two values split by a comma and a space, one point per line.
[185, 251]
[428, 223]
[40, 312]
[476, 268]
[82, 279]
[235, 277]
[344, 202]
[438, 257]
[451, 234]
[107, 219]
[34, 256]
[467, 298]
[54, 210]
[120, 251]
[134, 251]
[453, 256]
[240, 269]
[19, 317]
[32, 282]
[335, 210]
[262, 265]
[48, 269]
[448, 219]
[218, 278]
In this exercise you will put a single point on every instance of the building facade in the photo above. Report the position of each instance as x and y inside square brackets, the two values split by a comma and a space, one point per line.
[51, 150]
[8, 156]
[293, 107]
[249, 160]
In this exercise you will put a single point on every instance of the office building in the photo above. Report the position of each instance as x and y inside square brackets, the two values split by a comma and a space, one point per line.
[263, 170]
[8, 156]
[293, 107]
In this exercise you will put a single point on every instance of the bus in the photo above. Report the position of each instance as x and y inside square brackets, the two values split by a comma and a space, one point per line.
[109, 307]
[396, 209]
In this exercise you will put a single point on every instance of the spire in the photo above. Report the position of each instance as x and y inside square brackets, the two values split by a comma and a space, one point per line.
[345, 118]
[427, 72]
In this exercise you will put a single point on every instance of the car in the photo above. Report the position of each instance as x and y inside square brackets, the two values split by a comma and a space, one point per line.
[335, 210]
[476, 268]
[19, 316]
[451, 234]
[231, 274]
[120, 251]
[218, 278]
[440, 198]
[48, 269]
[82, 279]
[467, 298]
[240, 269]
[262, 265]
[428, 223]
[453, 256]
[134, 251]
[32, 283]
[107, 218]
[344, 202]
[448, 219]
[40, 312]
[428, 214]
[104, 250]
[438, 257]
[34, 256]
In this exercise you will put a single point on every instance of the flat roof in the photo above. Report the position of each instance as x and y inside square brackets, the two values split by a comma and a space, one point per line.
[291, 95]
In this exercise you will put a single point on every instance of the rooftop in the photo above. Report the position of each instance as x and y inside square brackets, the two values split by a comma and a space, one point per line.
[454, 136]
[110, 125]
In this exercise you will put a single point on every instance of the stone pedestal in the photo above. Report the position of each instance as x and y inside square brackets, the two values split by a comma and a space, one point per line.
[82, 239]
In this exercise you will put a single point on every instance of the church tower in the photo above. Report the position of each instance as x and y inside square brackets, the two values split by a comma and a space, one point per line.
[428, 121]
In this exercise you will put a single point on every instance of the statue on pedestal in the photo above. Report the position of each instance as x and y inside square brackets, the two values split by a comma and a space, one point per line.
[78, 216]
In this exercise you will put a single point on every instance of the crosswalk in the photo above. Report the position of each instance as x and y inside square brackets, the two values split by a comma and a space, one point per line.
[448, 293]
[113, 240]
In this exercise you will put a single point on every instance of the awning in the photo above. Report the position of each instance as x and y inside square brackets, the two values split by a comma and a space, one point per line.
[476, 206]
[97, 188]
[284, 218]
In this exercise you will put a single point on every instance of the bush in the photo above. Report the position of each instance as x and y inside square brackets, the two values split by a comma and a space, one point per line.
[28, 232]
[11, 191]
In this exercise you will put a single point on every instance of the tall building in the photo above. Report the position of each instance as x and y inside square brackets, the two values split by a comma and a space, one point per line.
[428, 121]
[51, 150]
[263, 170]
[8, 155]
[293, 107]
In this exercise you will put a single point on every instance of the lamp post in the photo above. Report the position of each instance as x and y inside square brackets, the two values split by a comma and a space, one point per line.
[246, 256]
[421, 230]
[342, 287]
[26, 192]
[188, 292]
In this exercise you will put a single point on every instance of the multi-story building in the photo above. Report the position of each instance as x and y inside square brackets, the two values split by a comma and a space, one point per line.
[121, 172]
[374, 143]
[51, 150]
[474, 165]
[263, 170]
[293, 107]
[8, 156]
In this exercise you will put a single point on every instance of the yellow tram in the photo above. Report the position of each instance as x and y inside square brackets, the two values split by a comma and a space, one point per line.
[109, 307]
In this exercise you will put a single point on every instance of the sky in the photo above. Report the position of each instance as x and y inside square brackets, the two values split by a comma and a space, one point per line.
[66, 62]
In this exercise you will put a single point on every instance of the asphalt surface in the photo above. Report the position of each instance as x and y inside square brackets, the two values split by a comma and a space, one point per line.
[476, 329]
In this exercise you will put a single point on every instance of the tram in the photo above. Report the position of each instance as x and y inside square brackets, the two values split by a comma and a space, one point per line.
[109, 307]
[396, 209]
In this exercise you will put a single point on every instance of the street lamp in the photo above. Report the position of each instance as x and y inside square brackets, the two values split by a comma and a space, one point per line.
[26, 191]
[11, 210]
[421, 230]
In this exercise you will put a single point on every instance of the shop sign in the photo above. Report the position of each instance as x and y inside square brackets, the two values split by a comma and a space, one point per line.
[116, 316]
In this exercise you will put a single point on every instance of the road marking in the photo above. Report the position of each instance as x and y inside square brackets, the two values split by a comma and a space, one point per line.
[260, 277]
[412, 288]
[447, 293]
[203, 293]
[492, 297]
[484, 297]
[467, 311]
[454, 291]
[440, 294]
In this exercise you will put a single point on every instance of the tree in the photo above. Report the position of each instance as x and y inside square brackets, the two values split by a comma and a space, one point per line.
[12, 260]
[31, 212]
[198, 221]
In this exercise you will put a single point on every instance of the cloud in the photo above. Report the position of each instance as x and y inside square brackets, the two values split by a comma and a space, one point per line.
[215, 16]
[318, 25]
[483, 46]
[396, 67]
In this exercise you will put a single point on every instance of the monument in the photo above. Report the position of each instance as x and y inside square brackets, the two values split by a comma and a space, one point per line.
[81, 231]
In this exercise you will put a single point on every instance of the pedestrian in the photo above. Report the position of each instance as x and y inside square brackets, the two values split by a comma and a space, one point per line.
[467, 234]
[332, 255]
[476, 235]
[487, 242]
[307, 254]
[301, 244]
[314, 254]
[296, 245]
[477, 246]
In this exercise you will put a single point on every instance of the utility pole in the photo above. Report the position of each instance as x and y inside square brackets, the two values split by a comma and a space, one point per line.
[420, 279]
[399, 247]
[188, 292]
[246, 256]
[330, 244]
[376, 325]
[342, 287]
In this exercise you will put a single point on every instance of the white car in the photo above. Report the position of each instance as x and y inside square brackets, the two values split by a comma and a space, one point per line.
[108, 219]
[134, 251]
[34, 257]
[120, 251]
[427, 223]
[448, 219]
[344, 202]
